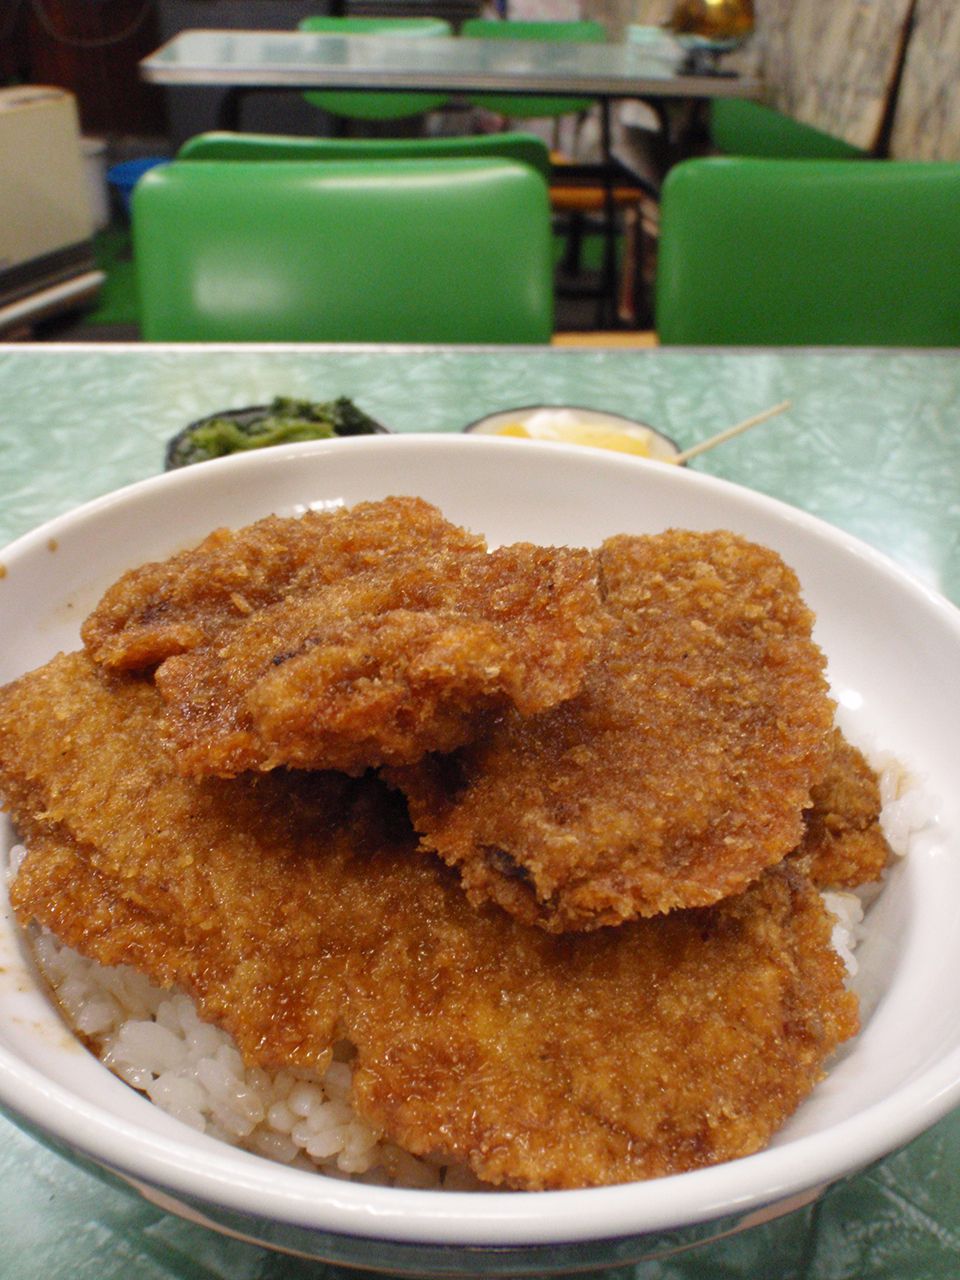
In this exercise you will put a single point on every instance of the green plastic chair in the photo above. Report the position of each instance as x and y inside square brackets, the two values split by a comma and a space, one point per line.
[448, 250]
[359, 104]
[589, 178]
[525, 148]
[524, 105]
[742, 128]
[809, 252]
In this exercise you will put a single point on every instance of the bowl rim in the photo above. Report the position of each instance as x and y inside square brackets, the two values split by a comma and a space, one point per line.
[225, 1176]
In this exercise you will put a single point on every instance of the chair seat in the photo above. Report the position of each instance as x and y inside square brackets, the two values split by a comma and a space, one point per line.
[591, 199]
[742, 128]
[525, 148]
[362, 104]
[529, 106]
[809, 252]
[351, 251]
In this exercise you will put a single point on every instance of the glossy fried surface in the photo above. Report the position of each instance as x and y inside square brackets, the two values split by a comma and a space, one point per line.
[198, 876]
[677, 775]
[843, 845]
[292, 908]
[172, 606]
[348, 639]
[386, 666]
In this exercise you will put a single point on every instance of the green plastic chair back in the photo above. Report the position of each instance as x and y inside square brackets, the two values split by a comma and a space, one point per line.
[359, 104]
[525, 148]
[521, 105]
[742, 128]
[809, 252]
[448, 250]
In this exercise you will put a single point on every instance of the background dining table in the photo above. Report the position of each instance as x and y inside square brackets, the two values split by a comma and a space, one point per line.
[246, 61]
[871, 443]
[304, 60]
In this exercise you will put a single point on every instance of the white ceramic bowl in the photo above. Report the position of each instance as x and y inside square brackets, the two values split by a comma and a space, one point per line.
[893, 648]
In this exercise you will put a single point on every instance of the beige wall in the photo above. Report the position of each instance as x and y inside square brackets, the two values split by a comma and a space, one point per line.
[926, 125]
[830, 63]
[834, 63]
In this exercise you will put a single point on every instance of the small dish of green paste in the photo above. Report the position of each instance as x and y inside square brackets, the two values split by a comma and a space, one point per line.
[284, 421]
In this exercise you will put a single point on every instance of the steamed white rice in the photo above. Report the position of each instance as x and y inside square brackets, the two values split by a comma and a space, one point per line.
[153, 1039]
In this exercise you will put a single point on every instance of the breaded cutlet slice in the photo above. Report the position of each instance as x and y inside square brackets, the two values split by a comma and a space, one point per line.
[677, 775]
[843, 844]
[348, 639]
[203, 592]
[293, 908]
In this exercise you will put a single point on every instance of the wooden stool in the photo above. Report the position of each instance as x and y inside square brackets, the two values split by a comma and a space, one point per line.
[582, 197]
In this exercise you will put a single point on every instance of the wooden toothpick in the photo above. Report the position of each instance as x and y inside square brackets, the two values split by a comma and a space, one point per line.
[730, 432]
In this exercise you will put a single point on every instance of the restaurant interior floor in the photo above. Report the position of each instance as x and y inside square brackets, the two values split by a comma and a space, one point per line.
[114, 317]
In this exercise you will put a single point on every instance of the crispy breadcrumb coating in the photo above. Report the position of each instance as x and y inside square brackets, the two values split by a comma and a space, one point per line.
[679, 773]
[293, 909]
[348, 639]
[843, 845]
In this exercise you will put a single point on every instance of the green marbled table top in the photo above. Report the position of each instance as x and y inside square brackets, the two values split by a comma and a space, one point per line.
[871, 443]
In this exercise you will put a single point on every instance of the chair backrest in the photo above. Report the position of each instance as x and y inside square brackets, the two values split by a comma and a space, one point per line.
[809, 252]
[521, 105]
[360, 104]
[525, 148]
[739, 127]
[445, 250]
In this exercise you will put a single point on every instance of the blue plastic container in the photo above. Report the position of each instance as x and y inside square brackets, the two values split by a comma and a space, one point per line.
[123, 177]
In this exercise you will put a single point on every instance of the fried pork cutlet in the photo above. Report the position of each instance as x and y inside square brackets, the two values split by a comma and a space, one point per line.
[843, 845]
[348, 639]
[200, 594]
[679, 773]
[291, 906]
